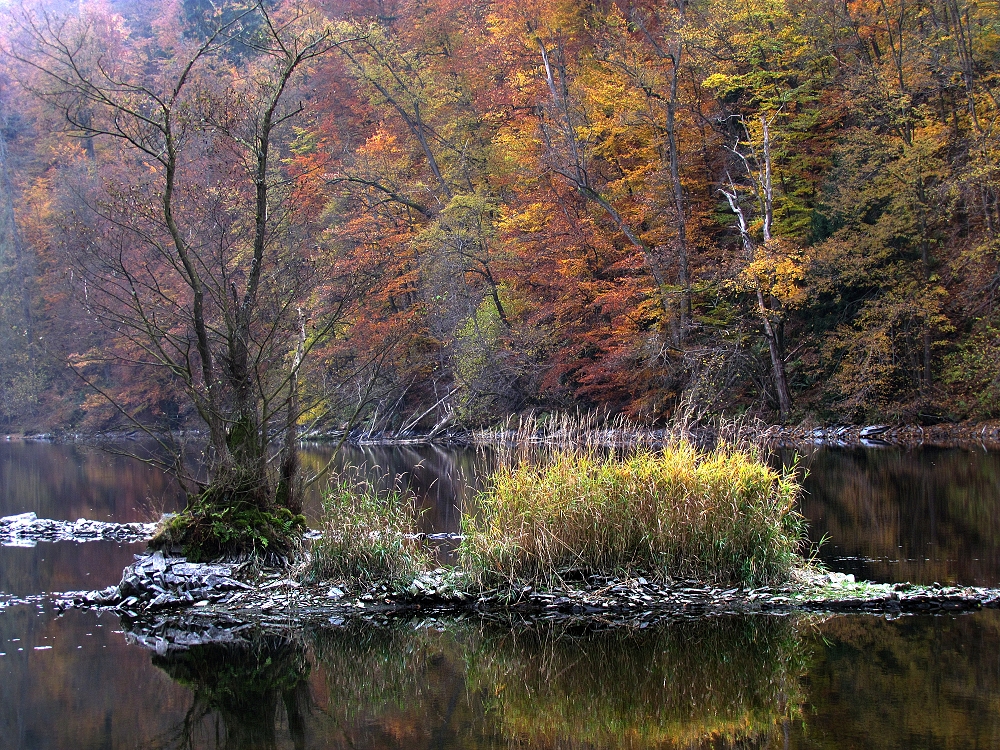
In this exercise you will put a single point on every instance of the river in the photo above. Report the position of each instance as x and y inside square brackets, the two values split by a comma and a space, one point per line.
[849, 681]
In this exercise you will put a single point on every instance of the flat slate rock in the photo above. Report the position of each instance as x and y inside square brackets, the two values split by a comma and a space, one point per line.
[156, 582]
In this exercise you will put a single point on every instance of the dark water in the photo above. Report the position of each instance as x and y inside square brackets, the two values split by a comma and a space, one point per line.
[920, 516]
[71, 681]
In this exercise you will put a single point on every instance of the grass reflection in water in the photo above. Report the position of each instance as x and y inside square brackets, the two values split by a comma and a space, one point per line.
[715, 682]
[727, 679]
[731, 678]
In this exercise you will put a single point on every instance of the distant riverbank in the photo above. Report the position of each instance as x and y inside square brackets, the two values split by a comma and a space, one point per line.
[969, 435]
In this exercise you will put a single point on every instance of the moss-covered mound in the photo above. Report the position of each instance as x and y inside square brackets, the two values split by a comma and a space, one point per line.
[220, 526]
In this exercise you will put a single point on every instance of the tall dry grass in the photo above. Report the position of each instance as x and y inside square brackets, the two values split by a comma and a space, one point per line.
[595, 429]
[367, 533]
[721, 516]
[565, 430]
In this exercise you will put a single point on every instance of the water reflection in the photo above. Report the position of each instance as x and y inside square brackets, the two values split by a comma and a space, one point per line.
[719, 682]
[920, 516]
[242, 695]
[64, 566]
[848, 681]
[730, 679]
[442, 479]
[68, 482]
[765, 682]
[917, 682]
[71, 682]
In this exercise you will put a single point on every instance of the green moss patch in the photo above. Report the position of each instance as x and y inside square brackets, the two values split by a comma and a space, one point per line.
[206, 531]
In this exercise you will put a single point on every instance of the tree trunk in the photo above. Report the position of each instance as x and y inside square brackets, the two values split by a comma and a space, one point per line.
[764, 191]
[289, 493]
[777, 360]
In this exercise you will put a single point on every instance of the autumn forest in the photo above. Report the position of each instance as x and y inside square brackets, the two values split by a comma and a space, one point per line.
[415, 215]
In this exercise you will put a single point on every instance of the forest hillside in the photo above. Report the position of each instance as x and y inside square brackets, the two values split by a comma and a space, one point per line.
[789, 208]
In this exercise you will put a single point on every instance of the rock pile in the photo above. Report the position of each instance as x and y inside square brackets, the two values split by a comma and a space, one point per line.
[438, 584]
[26, 530]
[156, 582]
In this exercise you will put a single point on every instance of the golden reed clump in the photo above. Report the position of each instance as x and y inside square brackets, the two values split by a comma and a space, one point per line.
[723, 516]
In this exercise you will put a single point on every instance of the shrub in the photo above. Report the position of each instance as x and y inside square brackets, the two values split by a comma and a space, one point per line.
[723, 516]
[367, 533]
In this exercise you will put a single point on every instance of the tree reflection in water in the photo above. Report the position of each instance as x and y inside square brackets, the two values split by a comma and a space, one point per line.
[919, 516]
[240, 693]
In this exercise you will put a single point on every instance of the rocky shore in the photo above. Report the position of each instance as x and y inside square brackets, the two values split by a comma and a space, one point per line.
[170, 603]
[968, 435]
[27, 530]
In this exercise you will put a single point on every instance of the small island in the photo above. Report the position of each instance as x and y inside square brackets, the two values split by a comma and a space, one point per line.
[564, 534]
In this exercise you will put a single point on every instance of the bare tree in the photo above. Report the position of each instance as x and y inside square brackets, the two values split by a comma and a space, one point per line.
[194, 251]
[758, 172]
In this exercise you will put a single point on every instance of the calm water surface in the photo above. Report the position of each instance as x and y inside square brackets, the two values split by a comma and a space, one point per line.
[920, 516]
[71, 681]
